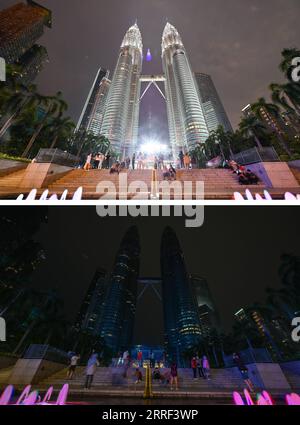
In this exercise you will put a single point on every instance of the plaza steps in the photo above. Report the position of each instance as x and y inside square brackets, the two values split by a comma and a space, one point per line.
[296, 172]
[12, 180]
[212, 178]
[89, 180]
[222, 380]
[291, 371]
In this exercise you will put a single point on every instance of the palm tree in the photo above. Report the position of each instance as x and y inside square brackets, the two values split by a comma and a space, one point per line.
[55, 107]
[16, 100]
[251, 126]
[272, 111]
[62, 129]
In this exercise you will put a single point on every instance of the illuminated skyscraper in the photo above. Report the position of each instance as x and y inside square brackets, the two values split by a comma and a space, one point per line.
[182, 325]
[20, 27]
[213, 108]
[91, 118]
[187, 125]
[117, 323]
[120, 123]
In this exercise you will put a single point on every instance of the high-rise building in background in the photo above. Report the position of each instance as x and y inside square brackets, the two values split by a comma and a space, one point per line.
[214, 112]
[90, 314]
[187, 125]
[208, 314]
[20, 27]
[120, 123]
[117, 322]
[93, 112]
[182, 325]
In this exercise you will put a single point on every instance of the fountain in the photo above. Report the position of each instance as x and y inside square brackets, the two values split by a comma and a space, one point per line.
[32, 196]
[28, 398]
[267, 197]
[263, 399]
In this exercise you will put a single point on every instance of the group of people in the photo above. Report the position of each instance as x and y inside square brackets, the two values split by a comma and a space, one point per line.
[97, 162]
[185, 161]
[91, 368]
[201, 367]
[246, 176]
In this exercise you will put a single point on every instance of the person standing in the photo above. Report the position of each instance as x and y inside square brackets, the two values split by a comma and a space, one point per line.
[206, 367]
[140, 358]
[133, 161]
[181, 159]
[73, 364]
[194, 367]
[87, 165]
[243, 371]
[187, 161]
[91, 370]
[101, 160]
[174, 375]
[199, 367]
[152, 360]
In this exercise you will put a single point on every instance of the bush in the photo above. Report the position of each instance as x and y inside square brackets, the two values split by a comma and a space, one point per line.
[13, 158]
[284, 158]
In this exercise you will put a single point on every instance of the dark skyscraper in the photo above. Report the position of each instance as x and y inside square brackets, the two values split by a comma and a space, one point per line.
[93, 112]
[182, 326]
[208, 314]
[117, 323]
[90, 314]
[214, 112]
[20, 27]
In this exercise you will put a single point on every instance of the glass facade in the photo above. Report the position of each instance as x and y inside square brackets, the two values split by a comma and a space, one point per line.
[208, 314]
[120, 123]
[213, 108]
[20, 27]
[182, 326]
[89, 317]
[117, 322]
[187, 125]
[93, 112]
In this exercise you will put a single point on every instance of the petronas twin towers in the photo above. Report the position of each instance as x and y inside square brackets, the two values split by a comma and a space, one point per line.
[186, 119]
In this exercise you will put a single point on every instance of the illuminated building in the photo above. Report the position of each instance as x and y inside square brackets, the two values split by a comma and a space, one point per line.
[182, 326]
[187, 125]
[214, 112]
[20, 27]
[120, 123]
[93, 112]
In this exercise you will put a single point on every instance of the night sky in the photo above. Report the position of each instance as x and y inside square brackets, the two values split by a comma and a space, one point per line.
[238, 42]
[238, 250]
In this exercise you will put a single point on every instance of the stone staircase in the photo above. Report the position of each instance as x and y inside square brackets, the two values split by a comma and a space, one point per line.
[11, 182]
[291, 371]
[89, 180]
[109, 379]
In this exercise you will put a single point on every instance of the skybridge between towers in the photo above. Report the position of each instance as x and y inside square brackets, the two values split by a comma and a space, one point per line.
[152, 80]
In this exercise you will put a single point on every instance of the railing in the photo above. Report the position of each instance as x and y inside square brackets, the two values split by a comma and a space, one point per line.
[56, 156]
[256, 355]
[45, 352]
[254, 155]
